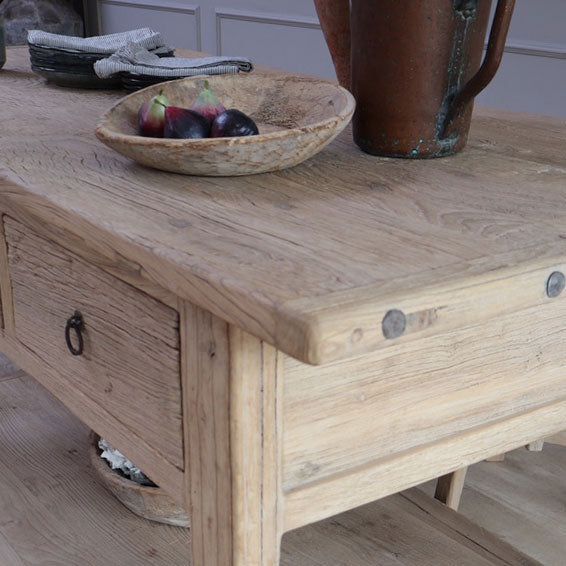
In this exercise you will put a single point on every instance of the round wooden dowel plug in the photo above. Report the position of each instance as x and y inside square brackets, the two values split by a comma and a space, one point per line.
[393, 324]
[555, 284]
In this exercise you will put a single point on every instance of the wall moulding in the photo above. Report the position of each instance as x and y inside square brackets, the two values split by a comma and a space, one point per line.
[537, 49]
[261, 18]
[161, 6]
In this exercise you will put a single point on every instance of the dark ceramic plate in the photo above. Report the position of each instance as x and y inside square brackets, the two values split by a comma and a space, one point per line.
[132, 82]
[59, 57]
[66, 57]
[86, 68]
[75, 79]
[75, 69]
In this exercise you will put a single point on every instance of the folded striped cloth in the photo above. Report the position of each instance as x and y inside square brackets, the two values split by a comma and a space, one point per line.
[104, 44]
[136, 59]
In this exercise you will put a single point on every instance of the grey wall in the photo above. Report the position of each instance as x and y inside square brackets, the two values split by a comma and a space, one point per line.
[287, 34]
[532, 76]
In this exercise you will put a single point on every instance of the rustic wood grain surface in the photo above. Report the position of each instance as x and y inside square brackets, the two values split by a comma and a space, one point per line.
[51, 500]
[421, 392]
[308, 259]
[130, 362]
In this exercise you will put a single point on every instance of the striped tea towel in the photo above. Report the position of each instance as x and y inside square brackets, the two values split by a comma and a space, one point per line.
[98, 44]
[136, 59]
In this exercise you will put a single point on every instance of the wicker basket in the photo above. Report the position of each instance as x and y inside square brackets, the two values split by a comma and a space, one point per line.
[149, 502]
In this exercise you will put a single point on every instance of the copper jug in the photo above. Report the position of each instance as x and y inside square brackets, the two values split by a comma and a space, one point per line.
[415, 68]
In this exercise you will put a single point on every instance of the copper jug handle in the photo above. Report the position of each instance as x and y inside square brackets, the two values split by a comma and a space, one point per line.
[491, 61]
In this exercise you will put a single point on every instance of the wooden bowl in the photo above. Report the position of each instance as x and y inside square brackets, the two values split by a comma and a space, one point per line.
[296, 117]
[148, 502]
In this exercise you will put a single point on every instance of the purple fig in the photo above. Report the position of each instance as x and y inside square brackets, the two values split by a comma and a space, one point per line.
[207, 103]
[233, 123]
[151, 116]
[185, 123]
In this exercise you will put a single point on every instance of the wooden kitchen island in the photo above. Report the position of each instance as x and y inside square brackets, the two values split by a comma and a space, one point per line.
[275, 349]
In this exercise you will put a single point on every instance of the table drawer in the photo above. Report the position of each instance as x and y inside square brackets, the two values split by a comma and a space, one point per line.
[130, 363]
[367, 409]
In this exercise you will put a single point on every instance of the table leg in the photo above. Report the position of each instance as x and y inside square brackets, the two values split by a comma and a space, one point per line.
[536, 446]
[449, 488]
[496, 458]
[232, 442]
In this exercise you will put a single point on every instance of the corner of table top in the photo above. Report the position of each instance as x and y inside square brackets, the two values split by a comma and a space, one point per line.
[357, 321]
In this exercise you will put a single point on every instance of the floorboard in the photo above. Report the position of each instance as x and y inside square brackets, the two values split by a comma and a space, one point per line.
[522, 499]
[53, 511]
[8, 370]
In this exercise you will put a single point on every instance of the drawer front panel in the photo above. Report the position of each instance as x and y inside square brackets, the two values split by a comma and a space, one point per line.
[130, 364]
[350, 413]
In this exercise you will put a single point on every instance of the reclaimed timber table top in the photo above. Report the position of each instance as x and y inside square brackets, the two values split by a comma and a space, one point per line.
[311, 258]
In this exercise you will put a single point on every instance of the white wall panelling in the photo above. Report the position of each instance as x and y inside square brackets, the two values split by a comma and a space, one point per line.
[286, 34]
[290, 42]
[537, 49]
[178, 21]
[530, 83]
[532, 77]
[538, 21]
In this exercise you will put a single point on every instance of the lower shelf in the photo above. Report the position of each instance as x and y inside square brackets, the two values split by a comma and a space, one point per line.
[54, 510]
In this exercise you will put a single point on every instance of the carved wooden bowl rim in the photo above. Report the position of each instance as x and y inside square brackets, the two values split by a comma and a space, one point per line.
[297, 116]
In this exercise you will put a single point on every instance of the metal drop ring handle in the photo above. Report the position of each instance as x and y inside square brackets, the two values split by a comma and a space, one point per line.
[75, 323]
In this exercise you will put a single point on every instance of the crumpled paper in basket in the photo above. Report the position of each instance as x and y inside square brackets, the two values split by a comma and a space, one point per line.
[118, 461]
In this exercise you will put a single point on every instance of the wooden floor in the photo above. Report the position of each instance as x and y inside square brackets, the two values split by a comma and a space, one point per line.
[522, 500]
[54, 512]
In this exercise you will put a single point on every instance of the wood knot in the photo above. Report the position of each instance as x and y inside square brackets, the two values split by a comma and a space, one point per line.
[357, 335]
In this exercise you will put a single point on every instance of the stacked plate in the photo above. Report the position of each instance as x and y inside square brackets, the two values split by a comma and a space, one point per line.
[132, 81]
[70, 68]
